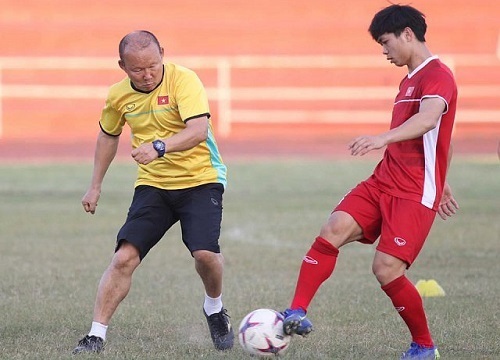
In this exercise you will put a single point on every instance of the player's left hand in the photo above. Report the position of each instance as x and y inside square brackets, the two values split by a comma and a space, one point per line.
[144, 154]
[448, 205]
[363, 144]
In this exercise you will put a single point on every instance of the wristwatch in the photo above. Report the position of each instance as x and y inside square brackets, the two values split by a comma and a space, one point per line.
[160, 148]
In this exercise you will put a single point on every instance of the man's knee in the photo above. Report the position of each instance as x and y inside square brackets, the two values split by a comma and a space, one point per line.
[126, 256]
[341, 229]
[205, 256]
[387, 268]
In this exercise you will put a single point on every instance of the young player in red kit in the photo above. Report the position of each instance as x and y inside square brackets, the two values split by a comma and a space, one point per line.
[398, 203]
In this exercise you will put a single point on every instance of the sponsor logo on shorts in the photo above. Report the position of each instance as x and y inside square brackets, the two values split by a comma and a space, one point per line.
[399, 241]
[310, 260]
[214, 201]
[400, 308]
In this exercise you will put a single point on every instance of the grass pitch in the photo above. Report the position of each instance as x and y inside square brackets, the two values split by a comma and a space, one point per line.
[52, 255]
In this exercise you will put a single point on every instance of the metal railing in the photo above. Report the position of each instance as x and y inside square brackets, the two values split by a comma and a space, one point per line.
[224, 93]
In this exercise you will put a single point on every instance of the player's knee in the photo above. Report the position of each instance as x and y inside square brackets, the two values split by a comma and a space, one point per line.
[386, 271]
[340, 230]
[126, 256]
[381, 272]
[207, 257]
[331, 230]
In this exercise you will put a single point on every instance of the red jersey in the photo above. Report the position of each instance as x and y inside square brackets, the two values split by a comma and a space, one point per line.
[416, 169]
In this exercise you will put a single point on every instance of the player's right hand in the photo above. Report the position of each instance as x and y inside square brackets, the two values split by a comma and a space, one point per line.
[90, 199]
[363, 144]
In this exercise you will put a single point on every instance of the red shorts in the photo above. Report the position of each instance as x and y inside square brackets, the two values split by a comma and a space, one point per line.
[403, 225]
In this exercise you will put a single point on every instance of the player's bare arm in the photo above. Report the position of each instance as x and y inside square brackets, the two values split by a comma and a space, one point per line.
[195, 132]
[426, 119]
[105, 152]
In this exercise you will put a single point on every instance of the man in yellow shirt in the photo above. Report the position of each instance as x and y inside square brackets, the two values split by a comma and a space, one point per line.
[181, 177]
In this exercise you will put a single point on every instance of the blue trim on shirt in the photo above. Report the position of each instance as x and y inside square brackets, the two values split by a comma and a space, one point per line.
[216, 159]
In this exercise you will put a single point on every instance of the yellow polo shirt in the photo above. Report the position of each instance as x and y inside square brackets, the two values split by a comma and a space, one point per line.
[160, 114]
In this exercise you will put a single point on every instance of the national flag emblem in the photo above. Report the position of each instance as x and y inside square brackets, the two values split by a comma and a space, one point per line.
[409, 91]
[162, 100]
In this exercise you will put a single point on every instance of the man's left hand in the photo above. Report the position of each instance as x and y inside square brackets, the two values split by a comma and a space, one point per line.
[145, 154]
[448, 205]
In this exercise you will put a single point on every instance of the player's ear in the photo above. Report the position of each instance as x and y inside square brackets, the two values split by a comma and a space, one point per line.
[408, 33]
[121, 64]
[162, 52]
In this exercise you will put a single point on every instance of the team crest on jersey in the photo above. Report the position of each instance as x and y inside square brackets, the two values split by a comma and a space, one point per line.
[163, 100]
[130, 107]
[409, 91]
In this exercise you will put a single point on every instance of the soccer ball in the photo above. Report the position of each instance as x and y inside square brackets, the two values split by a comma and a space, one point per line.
[261, 333]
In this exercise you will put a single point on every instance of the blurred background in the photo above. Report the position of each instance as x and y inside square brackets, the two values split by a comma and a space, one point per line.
[283, 77]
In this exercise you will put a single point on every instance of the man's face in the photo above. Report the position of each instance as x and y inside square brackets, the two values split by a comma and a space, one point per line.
[395, 48]
[144, 67]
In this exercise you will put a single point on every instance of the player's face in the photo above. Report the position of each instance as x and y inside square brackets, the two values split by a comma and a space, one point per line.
[394, 48]
[144, 67]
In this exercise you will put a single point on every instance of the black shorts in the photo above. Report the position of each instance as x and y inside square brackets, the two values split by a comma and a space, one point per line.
[153, 211]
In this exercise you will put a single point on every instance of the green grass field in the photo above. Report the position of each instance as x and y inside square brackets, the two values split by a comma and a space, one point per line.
[52, 255]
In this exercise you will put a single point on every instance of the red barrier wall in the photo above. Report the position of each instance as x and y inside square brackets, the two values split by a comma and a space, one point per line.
[220, 27]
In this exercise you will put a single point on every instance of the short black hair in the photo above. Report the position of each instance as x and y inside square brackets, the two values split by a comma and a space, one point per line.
[140, 38]
[395, 18]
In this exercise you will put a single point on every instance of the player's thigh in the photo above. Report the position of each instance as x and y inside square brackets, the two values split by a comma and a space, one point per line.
[357, 217]
[405, 227]
[200, 215]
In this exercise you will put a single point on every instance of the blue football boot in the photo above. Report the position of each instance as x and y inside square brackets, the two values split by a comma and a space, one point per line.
[419, 352]
[296, 322]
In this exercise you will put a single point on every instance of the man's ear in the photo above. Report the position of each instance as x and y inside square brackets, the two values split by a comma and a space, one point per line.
[121, 64]
[408, 34]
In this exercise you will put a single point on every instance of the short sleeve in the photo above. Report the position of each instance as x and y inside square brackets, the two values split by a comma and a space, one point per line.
[191, 96]
[440, 84]
[111, 121]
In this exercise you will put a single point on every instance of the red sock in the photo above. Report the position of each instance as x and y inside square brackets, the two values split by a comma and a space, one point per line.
[317, 266]
[409, 305]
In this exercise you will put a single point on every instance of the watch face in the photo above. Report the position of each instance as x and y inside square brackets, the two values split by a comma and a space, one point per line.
[159, 146]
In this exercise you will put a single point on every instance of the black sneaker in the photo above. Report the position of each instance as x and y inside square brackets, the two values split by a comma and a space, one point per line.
[90, 344]
[220, 330]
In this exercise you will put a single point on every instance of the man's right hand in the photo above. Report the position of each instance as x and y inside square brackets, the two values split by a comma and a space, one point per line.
[90, 199]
